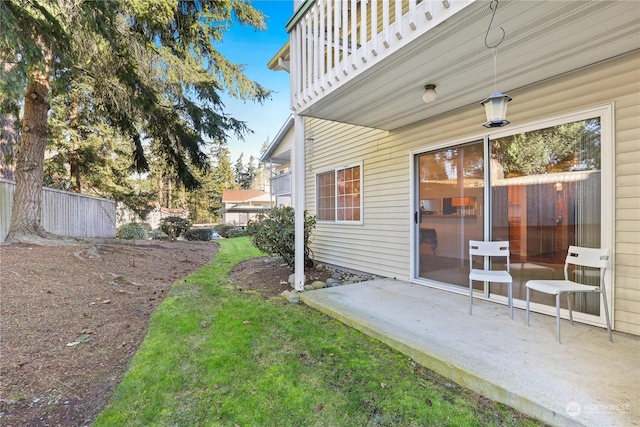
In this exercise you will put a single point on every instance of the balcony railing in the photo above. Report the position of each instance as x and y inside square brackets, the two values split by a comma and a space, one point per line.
[333, 41]
[281, 185]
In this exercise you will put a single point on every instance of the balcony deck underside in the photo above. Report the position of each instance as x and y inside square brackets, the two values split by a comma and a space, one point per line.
[543, 39]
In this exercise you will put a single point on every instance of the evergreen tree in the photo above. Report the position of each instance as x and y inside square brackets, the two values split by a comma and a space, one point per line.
[152, 69]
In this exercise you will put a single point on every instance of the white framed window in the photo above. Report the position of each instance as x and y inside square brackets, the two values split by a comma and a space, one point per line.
[339, 195]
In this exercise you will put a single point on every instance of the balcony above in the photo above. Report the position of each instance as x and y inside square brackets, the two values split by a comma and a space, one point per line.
[366, 62]
[281, 184]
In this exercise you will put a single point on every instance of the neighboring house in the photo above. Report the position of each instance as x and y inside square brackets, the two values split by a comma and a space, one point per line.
[400, 186]
[278, 157]
[239, 206]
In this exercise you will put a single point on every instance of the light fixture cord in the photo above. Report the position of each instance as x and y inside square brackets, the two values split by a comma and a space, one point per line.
[495, 69]
[494, 7]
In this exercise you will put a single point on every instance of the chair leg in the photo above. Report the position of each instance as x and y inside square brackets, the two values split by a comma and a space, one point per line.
[606, 314]
[569, 305]
[558, 316]
[470, 295]
[528, 290]
[511, 298]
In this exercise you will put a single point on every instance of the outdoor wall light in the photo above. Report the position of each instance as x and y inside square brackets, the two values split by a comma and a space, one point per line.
[430, 94]
[495, 105]
[496, 108]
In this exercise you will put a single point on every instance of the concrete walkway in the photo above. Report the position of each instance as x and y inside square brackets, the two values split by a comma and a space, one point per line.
[584, 381]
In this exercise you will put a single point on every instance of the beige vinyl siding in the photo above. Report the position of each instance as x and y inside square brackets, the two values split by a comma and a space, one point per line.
[381, 245]
[285, 144]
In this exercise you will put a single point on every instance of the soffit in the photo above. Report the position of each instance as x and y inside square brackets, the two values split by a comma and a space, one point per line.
[543, 39]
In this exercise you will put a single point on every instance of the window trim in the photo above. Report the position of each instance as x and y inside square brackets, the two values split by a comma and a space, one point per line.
[335, 170]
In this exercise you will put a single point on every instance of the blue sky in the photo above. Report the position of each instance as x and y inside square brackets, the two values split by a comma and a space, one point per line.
[245, 45]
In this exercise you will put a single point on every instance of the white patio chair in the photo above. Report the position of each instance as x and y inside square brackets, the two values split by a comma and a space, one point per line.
[490, 249]
[585, 257]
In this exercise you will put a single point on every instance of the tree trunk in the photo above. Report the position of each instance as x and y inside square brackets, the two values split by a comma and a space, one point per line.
[26, 213]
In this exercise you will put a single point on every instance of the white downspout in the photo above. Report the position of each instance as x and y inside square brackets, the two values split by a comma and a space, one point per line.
[299, 199]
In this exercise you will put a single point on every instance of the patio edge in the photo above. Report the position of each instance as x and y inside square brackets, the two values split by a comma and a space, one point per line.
[449, 370]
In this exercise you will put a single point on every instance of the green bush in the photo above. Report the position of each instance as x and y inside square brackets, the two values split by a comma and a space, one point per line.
[223, 229]
[273, 232]
[158, 234]
[200, 234]
[226, 230]
[174, 226]
[236, 232]
[147, 226]
[132, 231]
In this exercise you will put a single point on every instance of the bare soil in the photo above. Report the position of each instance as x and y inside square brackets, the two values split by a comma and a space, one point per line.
[73, 316]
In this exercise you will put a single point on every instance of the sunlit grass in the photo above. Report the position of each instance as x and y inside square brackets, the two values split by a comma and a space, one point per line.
[217, 357]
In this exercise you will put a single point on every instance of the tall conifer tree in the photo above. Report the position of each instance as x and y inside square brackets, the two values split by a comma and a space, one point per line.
[154, 75]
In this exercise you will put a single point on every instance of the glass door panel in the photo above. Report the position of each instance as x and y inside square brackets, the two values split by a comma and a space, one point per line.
[545, 195]
[451, 205]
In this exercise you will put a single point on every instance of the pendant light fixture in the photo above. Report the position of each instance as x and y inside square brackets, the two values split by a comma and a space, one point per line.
[496, 104]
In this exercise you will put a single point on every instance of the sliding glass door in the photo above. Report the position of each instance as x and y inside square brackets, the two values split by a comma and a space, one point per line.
[544, 198]
[544, 193]
[451, 211]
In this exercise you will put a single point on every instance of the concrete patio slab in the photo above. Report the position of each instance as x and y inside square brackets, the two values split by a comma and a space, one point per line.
[584, 381]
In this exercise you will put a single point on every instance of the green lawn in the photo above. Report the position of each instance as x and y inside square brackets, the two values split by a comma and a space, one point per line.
[217, 357]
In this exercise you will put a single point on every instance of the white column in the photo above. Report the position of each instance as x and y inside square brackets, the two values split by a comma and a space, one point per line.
[298, 198]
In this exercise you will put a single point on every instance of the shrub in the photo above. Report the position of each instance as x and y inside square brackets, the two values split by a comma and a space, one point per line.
[158, 234]
[146, 226]
[273, 232]
[226, 230]
[223, 229]
[236, 232]
[175, 226]
[200, 234]
[132, 231]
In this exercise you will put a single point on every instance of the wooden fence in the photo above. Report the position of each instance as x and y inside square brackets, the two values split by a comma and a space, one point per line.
[64, 213]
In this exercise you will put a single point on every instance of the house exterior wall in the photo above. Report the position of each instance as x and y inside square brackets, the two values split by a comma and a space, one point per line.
[381, 245]
[285, 145]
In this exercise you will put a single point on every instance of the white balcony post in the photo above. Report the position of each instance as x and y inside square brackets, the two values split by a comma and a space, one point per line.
[363, 31]
[398, 20]
[345, 37]
[354, 34]
[336, 41]
[374, 28]
[308, 76]
[299, 200]
[329, 38]
[385, 23]
[321, 42]
[317, 46]
[412, 14]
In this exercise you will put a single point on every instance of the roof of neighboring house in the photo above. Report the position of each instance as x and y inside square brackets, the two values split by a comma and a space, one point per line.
[278, 139]
[243, 210]
[242, 195]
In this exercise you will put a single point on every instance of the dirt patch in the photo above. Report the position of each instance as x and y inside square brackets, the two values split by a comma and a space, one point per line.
[71, 318]
[269, 276]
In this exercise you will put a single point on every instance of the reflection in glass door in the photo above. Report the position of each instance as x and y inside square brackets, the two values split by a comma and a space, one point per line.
[451, 205]
[545, 195]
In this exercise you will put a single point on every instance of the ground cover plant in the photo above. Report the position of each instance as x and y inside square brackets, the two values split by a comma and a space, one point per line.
[216, 355]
